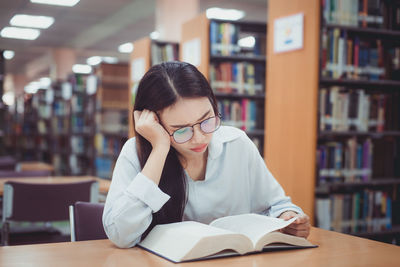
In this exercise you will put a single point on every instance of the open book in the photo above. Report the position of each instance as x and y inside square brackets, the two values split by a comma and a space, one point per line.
[227, 236]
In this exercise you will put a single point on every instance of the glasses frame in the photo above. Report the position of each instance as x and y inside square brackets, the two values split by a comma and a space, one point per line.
[192, 126]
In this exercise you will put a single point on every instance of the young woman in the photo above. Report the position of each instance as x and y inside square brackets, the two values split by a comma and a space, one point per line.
[182, 165]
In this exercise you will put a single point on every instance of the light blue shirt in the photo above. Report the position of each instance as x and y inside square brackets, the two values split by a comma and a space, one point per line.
[237, 181]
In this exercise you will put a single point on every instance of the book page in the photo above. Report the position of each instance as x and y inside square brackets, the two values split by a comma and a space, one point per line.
[254, 226]
[190, 240]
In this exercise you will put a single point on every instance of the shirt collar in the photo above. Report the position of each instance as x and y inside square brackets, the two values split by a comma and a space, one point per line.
[222, 135]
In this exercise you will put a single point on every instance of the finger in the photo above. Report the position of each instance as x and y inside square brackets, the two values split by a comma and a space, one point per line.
[288, 215]
[136, 115]
[302, 233]
[303, 218]
[303, 226]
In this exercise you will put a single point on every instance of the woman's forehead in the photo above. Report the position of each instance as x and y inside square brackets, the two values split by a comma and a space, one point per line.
[186, 110]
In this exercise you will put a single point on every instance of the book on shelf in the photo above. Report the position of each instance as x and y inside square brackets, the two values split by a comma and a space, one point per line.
[343, 109]
[239, 113]
[352, 57]
[240, 77]
[227, 236]
[345, 163]
[357, 13]
[225, 36]
[360, 211]
[162, 52]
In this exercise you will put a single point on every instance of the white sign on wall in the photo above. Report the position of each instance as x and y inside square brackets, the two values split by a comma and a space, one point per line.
[137, 69]
[288, 33]
[192, 52]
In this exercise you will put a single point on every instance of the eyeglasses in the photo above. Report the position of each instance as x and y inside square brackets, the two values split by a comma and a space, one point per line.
[210, 125]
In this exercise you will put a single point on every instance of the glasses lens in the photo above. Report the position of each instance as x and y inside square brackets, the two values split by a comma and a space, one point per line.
[183, 135]
[210, 125]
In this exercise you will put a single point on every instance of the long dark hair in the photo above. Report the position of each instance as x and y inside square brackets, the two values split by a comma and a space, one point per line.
[159, 88]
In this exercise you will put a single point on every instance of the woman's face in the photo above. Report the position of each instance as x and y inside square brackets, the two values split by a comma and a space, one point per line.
[186, 112]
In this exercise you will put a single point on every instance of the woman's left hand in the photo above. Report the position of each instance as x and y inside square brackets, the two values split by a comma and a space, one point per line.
[300, 227]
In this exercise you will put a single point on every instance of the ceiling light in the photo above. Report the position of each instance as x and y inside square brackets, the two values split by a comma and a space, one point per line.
[110, 60]
[32, 87]
[125, 48]
[81, 68]
[20, 33]
[41, 22]
[8, 98]
[45, 82]
[225, 14]
[248, 41]
[93, 60]
[8, 54]
[56, 2]
[154, 35]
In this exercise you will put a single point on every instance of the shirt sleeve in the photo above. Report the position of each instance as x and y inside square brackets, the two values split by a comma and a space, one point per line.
[267, 195]
[131, 200]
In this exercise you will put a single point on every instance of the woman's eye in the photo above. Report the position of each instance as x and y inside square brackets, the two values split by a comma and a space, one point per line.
[182, 130]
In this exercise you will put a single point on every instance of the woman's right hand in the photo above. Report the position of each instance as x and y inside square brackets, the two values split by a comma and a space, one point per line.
[148, 126]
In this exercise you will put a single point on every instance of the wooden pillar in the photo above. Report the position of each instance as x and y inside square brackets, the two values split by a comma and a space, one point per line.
[63, 60]
[291, 104]
[171, 14]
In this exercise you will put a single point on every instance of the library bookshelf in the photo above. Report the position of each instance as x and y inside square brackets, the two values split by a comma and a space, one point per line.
[146, 53]
[236, 74]
[111, 108]
[336, 154]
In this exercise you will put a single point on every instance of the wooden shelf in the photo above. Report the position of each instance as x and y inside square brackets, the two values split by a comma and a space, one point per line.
[370, 32]
[381, 84]
[332, 134]
[394, 231]
[238, 96]
[241, 58]
[330, 187]
[255, 133]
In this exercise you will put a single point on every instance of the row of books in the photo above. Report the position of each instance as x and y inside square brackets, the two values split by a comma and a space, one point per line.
[77, 103]
[342, 109]
[60, 125]
[77, 123]
[163, 52]
[358, 159]
[224, 40]
[61, 108]
[44, 111]
[78, 144]
[104, 167]
[241, 114]
[112, 121]
[241, 77]
[357, 13]
[346, 56]
[107, 145]
[362, 211]
[345, 162]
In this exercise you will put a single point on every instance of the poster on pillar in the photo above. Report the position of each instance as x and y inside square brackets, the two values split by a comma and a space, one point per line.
[288, 33]
[192, 52]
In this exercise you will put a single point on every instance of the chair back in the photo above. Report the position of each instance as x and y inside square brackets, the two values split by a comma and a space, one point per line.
[13, 174]
[7, 163]
[86, 221]
[44, 202]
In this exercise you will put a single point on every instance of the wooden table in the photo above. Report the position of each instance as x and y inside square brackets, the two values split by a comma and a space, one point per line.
[35, 166]
[104, 184]
[334, 249]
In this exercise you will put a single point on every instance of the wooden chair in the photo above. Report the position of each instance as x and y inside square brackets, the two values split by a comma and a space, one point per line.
[31, 202]
[7, 163]
[86, 221]
[12, 173]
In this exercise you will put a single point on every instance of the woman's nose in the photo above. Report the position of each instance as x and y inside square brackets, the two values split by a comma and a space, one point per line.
[198, 135]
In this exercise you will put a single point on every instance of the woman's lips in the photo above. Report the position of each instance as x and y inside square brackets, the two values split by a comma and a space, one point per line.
[199, 148]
